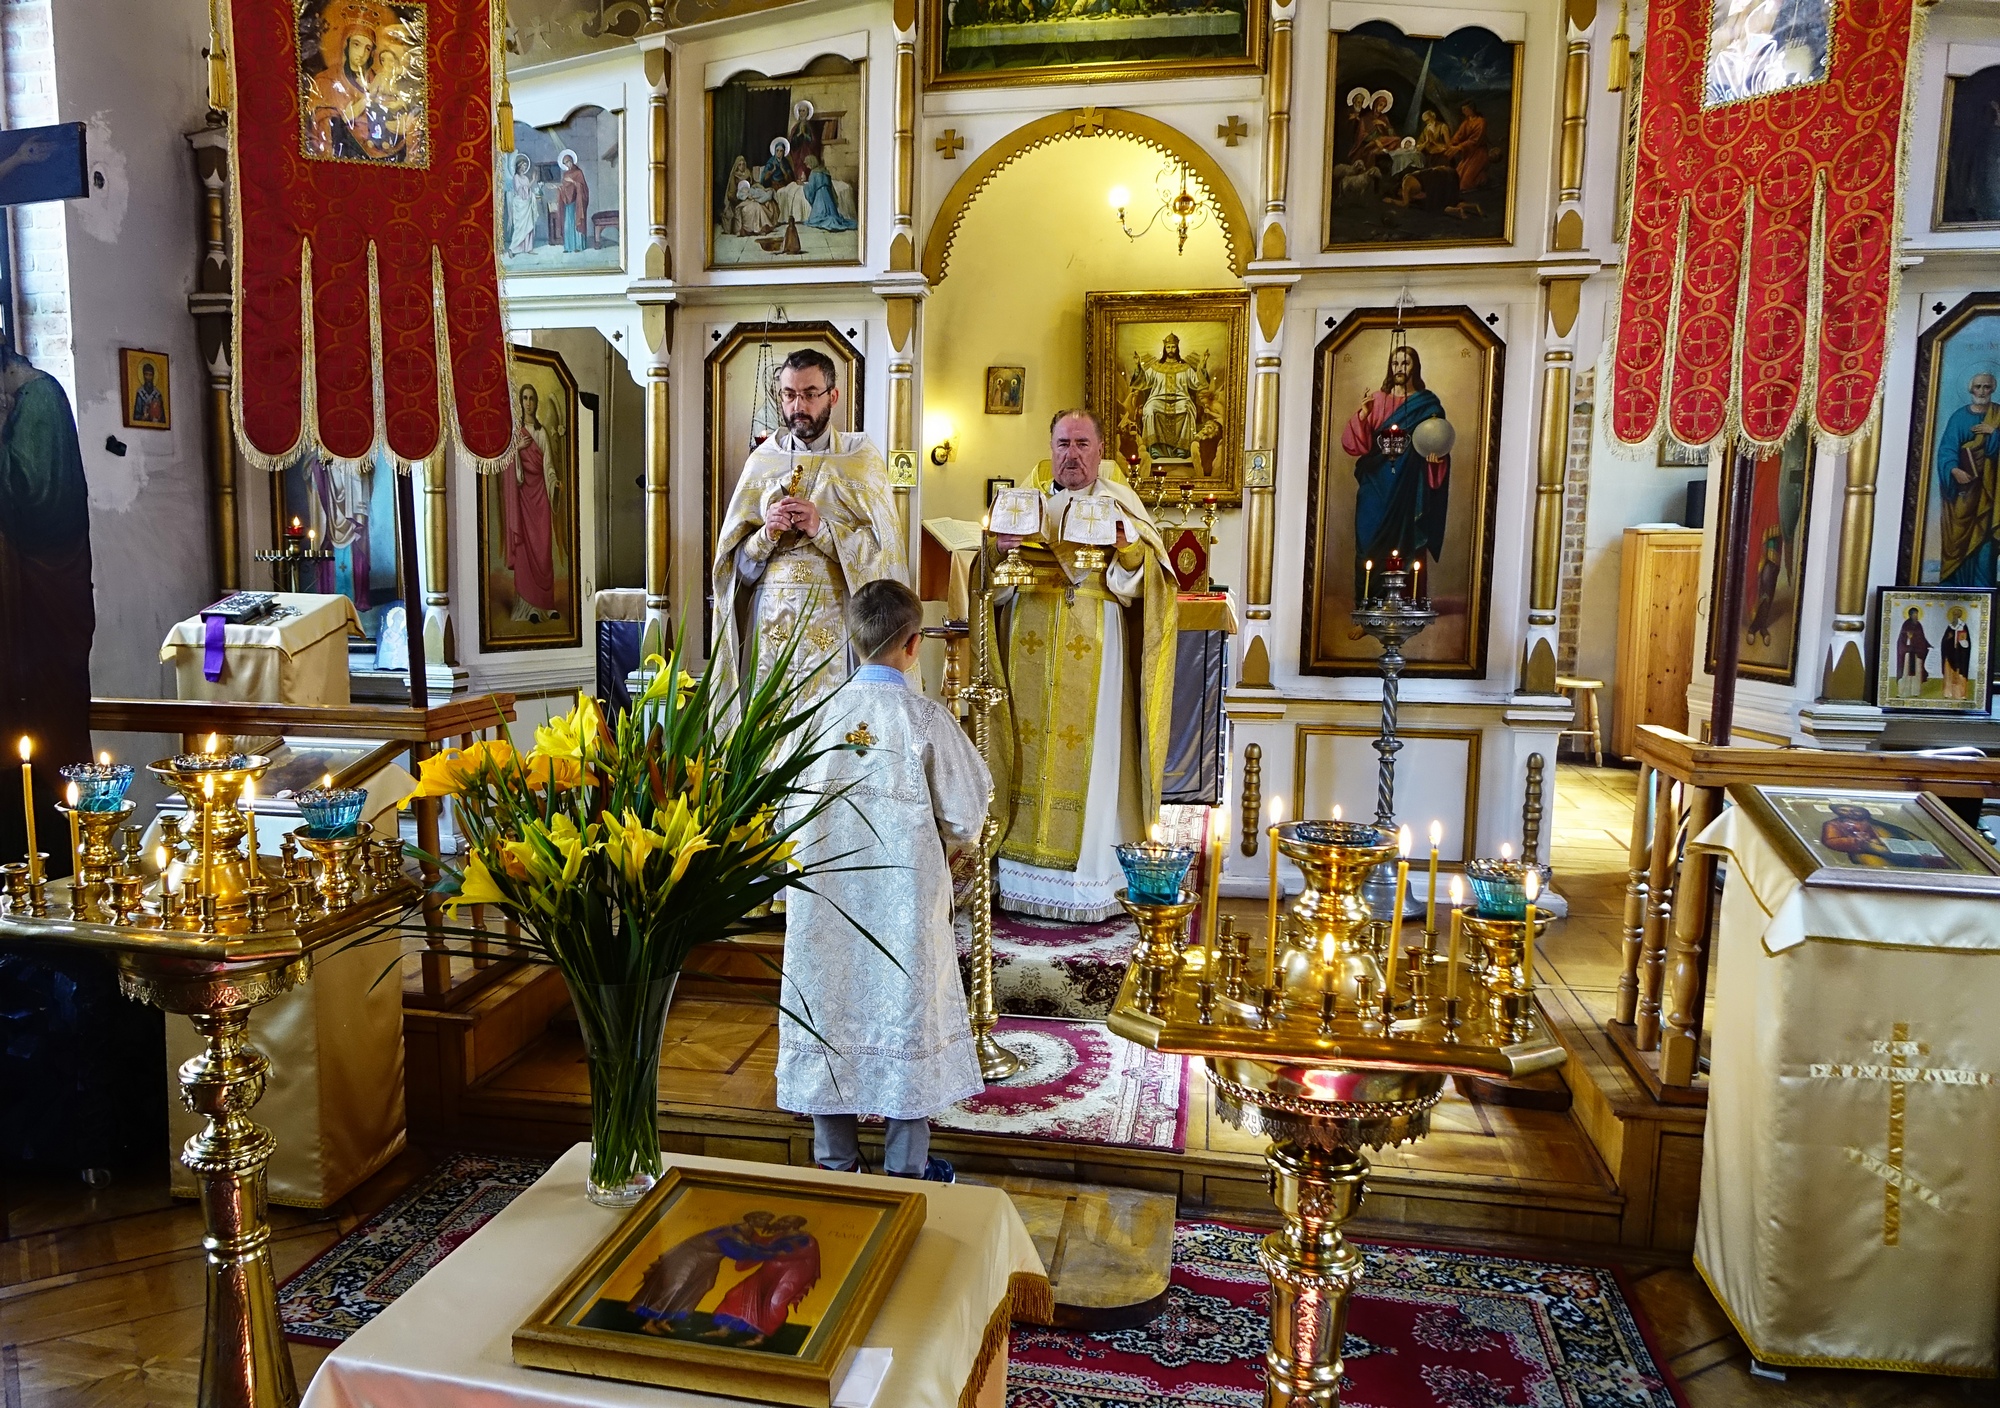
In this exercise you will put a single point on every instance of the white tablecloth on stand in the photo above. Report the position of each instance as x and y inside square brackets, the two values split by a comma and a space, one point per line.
[1850, 1213]
[447, 1341]
[300, 658]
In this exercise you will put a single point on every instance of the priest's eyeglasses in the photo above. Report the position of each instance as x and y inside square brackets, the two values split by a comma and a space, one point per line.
[811, 396]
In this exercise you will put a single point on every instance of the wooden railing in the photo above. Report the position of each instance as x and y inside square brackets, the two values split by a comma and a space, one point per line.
[1669, 892]
[420, 730]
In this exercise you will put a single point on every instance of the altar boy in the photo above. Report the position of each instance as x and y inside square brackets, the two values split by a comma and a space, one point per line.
[893, 1035]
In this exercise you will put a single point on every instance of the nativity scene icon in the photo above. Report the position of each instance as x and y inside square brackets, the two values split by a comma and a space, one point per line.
[782, 1260]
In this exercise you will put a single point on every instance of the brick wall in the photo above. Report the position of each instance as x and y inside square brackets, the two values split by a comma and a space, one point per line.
[41, 249]
[1576, 510]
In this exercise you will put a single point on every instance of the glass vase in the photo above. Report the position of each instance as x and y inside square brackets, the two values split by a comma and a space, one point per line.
[623, 1024]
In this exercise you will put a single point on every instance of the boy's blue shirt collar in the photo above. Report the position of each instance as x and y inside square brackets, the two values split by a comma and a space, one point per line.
[881, 674]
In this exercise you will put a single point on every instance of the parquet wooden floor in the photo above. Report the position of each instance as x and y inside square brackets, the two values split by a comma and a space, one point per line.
[101, 1292]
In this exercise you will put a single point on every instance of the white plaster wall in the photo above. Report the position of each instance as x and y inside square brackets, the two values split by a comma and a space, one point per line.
[131, 252]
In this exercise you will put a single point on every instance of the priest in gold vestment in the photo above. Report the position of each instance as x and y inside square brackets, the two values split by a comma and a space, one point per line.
[813, 519]
[1089, 665]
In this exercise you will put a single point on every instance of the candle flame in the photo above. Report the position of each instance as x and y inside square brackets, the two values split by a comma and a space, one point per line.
[1457, 892]
[985, 521]
[295, 522]
[1403, 840]
[208, 788]
[1506, 851]
[1336, 811]
[71, 796]
[104, 759]
[1369, 564]
[212, 740]
[1154, 833]
[1532, 884]
[250, 792]
[1277, 810]
[326, 781]
[26, 747]
[160, 857]
[1437, 833]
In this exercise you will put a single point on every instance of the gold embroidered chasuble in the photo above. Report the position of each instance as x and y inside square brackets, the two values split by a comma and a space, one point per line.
[805, 582]
[1054, 660]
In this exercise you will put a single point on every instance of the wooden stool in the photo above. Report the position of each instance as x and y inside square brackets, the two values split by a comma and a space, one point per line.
[1583, 694]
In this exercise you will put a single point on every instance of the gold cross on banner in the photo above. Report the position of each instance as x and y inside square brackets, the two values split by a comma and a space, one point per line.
[860, 737]
[949, 144]
[1069, 736]
[1031, 642]
[1232, 131]
[1079, 646]
[1900, 1075]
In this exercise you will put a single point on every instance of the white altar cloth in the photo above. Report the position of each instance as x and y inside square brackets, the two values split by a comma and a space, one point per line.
[1849, 1213]
[447, 1341]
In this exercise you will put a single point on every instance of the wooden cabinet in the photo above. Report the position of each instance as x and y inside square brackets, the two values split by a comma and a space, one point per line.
[1659, 583]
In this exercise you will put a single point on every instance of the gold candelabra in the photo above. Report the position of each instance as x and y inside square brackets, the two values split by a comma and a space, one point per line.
[1344, 1046]
[981, 697]
[213, 930]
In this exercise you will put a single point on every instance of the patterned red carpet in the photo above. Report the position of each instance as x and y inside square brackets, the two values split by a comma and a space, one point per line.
[1081, 1085]
[1428, 1329]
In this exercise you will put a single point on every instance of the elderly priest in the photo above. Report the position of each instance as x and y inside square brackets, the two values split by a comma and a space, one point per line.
[1090, 666]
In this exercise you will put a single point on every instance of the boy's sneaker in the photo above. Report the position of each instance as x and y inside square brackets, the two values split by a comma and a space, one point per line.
[936, 1170]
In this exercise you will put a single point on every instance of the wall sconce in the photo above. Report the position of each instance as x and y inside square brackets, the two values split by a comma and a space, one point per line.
[938, 430]
[1181, 207]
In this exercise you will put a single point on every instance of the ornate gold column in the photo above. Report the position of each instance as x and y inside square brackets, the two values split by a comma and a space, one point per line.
[214, 317]
[1567, 233]
[440, 640]
[1846, 673]
[1261, 463]
[1845, 715]
[1560, 298]
[655, 295]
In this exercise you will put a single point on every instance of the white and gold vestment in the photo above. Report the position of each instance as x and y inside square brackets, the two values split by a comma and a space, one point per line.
[770, 588]
[1089, 664]
[897, 1039]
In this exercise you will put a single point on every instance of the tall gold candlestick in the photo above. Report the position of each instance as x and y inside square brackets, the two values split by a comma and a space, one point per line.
[207, 831]
[1396, 921]
[1218, 833]
[250, 825]
[28, 811]
[71, 797]
[1456, 947]
[1271, 912]
[1532, 883]
[1431, 904]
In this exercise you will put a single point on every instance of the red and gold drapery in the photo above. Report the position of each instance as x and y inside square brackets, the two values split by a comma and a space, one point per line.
[367, 292]
[1760, 263]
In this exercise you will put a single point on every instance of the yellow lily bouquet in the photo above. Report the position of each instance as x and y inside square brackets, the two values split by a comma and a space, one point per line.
[619, 847]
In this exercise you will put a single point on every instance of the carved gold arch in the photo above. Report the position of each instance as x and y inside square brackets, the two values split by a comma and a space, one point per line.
[1089, 122]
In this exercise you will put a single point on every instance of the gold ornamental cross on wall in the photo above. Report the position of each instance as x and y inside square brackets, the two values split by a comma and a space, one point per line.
[1899, 1075]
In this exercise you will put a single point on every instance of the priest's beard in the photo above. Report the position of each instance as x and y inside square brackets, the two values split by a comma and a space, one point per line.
[807, 427]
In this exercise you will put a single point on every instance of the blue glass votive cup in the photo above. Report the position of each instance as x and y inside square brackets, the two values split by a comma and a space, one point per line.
[1154, 870]
[330, 812]
[100, 787]
[1499, 887]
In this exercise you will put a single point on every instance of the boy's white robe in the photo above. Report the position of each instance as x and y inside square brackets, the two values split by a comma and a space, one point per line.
[897, 1041]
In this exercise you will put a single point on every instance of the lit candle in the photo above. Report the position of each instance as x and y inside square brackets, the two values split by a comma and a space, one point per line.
[1506, 851]
[28, 810]
[207, 825]
[250, 823]
[1336, 811]
[1532, 884]
[72, 797]
[1367, 576]
[104, 759]
[1416, 578]
[166, 866]
[1431, 904]
[1456, 947]
[1218, 835]
[1396, 917]
[1271, 914]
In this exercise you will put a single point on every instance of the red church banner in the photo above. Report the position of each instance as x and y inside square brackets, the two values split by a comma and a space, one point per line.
[1766, 218]
[363, 192]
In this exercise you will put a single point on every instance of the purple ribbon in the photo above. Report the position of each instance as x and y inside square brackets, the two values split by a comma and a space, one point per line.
[211, 656]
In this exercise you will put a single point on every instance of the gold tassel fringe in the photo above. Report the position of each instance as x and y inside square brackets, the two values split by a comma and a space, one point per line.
[1619, 66]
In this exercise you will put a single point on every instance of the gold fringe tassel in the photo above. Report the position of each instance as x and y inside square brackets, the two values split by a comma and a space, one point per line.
[1033, 1298]
[503, 115]
[991, 1346]
[218, 63]
[1618, 69]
